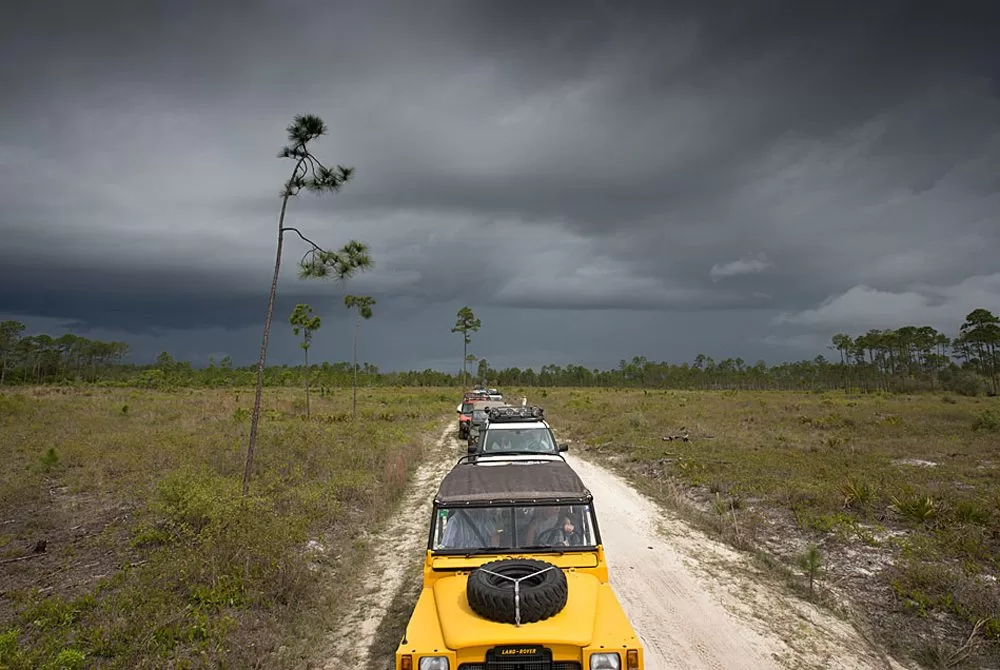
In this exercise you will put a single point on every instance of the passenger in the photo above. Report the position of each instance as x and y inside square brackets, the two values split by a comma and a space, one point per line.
[504, 442]
[471, 529]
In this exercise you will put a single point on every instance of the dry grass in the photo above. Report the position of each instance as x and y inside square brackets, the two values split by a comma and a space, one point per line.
[152, 557]
[899, 494]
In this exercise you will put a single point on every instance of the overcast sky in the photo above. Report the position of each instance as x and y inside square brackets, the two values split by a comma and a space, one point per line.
[597, 180]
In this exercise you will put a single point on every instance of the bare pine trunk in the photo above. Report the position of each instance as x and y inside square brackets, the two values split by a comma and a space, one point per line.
[308, 415]
[465, 359]
[357, 327]
[255, 417]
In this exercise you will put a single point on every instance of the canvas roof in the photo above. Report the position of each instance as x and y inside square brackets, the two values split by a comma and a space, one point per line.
[511, 483]
[486, 404]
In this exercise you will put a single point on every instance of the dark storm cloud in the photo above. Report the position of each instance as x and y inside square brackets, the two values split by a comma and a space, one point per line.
[772, 155]
[133, 300]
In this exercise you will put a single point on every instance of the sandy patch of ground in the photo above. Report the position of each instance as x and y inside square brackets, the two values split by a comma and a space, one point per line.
[920, 463]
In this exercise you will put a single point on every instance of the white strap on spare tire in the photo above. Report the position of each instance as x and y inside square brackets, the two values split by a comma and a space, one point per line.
[517, 588]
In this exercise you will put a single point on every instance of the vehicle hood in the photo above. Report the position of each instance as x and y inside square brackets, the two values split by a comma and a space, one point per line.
[463, 628]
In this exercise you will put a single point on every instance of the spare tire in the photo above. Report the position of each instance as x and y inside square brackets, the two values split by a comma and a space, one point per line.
[542, 592]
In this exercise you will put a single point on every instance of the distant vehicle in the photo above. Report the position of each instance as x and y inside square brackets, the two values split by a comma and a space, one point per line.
[516, 431]
[477, 424]
[466, 410]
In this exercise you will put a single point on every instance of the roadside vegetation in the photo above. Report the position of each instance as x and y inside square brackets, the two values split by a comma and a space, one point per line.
[125, 540]
[884, 506]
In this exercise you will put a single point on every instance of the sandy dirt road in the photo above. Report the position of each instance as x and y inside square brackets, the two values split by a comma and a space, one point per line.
[689, 597]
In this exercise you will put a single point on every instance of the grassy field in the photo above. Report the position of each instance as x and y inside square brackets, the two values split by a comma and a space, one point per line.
[899, 495]
[152, 558]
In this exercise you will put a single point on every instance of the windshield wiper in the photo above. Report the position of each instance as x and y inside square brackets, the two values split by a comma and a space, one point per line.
[471, 553]
[519, 453]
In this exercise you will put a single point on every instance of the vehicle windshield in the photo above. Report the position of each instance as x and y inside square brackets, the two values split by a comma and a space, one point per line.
[519, 440]
[466, 407]
[510, 527]
[479, 415]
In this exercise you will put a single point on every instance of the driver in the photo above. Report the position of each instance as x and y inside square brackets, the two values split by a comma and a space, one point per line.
[552, 526]
[540, 442]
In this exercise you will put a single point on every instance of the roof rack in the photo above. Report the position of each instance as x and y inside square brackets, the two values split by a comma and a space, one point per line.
[501, 414]
[500, 458]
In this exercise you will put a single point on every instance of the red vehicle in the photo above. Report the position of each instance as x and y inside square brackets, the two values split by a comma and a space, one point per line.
[464, 417]
[473, 400]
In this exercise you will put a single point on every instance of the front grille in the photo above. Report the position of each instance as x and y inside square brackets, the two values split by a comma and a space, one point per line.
[520, 658]
[556, 665]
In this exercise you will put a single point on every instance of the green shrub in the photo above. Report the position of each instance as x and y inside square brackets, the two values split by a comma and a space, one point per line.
[987, 421]
[967, 384]
[49, 460]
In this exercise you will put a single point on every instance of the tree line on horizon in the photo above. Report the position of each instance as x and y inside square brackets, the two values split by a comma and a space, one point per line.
[910, 358]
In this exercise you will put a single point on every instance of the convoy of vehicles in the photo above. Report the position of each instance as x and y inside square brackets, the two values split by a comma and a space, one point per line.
[514, 573]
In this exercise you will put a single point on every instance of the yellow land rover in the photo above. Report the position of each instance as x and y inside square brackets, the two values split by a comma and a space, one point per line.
[515, 577]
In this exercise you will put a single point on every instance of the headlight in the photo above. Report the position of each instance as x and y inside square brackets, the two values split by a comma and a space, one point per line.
[435, 663]
[602, 661]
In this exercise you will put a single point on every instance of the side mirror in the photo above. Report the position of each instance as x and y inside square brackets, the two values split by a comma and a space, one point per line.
[564, 447]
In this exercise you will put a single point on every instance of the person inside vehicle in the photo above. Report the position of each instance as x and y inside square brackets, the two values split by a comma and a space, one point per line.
[539, 441]
[503, 442]
[472, 529]
[552, 526]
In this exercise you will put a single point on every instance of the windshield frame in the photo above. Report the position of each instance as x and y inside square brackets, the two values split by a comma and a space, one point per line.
[591, 519]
